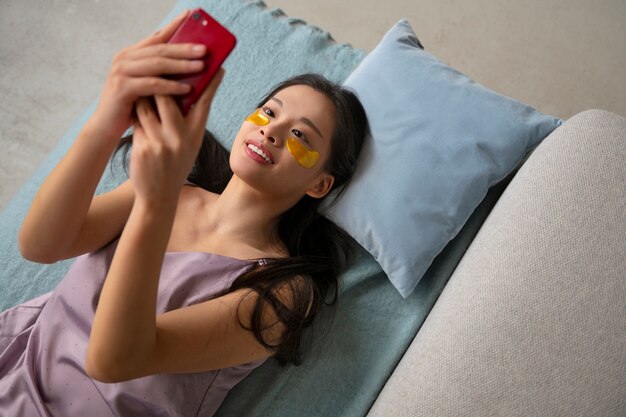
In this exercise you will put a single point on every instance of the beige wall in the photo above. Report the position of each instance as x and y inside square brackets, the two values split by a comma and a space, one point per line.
[559, 56]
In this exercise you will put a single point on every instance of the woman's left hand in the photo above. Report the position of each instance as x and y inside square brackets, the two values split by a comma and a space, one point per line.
[166, 144]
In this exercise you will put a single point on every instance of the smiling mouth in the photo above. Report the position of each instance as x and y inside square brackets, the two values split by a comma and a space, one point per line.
[260, 152]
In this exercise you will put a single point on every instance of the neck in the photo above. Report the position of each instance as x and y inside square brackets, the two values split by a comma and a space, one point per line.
[247, 215]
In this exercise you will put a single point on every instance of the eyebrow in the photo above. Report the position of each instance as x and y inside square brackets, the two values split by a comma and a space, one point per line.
[306, 120]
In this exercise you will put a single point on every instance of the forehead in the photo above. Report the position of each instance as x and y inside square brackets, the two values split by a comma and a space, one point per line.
[301, 101]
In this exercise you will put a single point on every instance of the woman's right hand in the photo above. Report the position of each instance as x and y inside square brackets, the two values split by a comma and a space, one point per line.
[136, 72]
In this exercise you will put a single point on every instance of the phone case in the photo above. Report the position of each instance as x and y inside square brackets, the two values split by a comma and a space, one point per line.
[200, 27]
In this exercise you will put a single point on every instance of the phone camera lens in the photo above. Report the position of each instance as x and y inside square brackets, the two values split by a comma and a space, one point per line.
[196, 16]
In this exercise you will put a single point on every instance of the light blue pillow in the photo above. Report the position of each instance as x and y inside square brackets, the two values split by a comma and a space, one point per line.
[439, 141]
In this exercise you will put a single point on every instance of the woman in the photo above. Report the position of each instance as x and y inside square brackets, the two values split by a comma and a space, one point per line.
[179, 292]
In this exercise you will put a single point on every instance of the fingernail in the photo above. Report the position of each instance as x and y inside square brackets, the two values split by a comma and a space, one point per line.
[199, 49]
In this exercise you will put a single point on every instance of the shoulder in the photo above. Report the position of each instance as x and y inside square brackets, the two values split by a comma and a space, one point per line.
[285, 299]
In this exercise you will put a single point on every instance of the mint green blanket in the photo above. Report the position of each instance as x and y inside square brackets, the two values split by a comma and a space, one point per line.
[351, 354]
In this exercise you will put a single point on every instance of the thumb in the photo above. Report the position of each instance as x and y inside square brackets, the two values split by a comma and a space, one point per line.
[199, 112]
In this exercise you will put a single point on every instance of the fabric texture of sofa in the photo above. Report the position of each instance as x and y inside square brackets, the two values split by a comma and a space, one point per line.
[533, 320]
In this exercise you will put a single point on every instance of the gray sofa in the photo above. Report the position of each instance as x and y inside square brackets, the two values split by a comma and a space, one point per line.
[533, 320]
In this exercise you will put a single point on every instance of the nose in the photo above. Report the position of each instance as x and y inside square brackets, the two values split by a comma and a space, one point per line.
[270, 135]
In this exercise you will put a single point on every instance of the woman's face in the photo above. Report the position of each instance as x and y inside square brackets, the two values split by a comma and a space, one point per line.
[282, 148]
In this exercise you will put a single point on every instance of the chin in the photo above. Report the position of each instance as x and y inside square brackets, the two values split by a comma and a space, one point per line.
[248, 173]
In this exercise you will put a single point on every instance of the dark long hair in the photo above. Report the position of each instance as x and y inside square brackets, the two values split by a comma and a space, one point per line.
[319, 250]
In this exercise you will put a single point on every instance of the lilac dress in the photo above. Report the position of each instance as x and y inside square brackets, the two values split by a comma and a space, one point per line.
[43, 344]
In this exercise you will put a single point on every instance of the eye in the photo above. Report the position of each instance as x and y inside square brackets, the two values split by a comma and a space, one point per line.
[269, 112]
[297, 133]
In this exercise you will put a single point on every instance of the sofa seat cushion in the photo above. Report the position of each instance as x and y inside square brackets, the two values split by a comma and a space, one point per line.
[532, 321]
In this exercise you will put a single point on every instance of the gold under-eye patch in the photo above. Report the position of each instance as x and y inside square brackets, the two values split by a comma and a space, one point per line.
[257, 118]
[306, 158]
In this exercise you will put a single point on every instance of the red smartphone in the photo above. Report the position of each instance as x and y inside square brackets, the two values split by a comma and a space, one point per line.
[200, 27]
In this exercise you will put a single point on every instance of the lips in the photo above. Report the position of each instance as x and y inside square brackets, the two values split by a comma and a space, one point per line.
[258, 152]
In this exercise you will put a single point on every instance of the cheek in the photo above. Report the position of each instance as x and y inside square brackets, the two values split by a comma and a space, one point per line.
[236, 149]
[240, 134]
[240, 138]
[257, 118]
[305, 157]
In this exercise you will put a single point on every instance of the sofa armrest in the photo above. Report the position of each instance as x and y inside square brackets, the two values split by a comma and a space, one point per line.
[533, 320]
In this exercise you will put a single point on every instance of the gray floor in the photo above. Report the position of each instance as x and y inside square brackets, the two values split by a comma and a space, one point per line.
[559, 56]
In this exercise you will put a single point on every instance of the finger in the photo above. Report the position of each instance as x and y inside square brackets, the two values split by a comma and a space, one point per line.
[199, 112]
[169, 50]
[169, 112]
[138, 134]
[163, 34]
[146, 115]
[215, 82]
[159, 65]
[149, 86]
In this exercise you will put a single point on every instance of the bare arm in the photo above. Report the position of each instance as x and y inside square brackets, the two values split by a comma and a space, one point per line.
[65, 219]
[59, 208]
